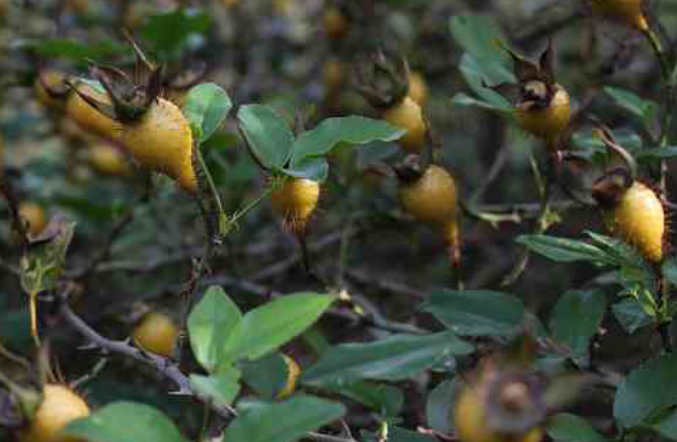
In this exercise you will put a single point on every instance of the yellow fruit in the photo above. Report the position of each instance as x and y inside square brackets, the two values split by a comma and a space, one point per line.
[59, 407]
[161, 140]
[333, 75]
[295, 200]
[34, 217]
[293, 372]
[156, 333]
[335, 24]
[471, 424]
[418, 89]
[88, 117]
[408, 115]
[108, 160]
[229, 3]
[549, 122]
[51, 78]
[432, 197]
[639, 219]
[625, 11]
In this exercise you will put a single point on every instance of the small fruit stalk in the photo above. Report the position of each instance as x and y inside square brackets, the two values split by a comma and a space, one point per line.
[295, 200]
[429, 194]
[541, 105]
[384, 80]
[628, 12]
[631, 210]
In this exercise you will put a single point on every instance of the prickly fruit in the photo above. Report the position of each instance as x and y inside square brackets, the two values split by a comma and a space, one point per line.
[34, 217]
[88, 117]
[408, 115]
[638, 218]
[432, 197]
[157, 334]
[107, 159]
[59, 406]
[418, 88]
[547, 122]
[295, 200]
[625, 11]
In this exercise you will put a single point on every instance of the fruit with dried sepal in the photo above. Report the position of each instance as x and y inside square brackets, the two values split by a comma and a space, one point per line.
[628, 12]
[59, 406]
[33, 215]
[295, 199]
[107, 159]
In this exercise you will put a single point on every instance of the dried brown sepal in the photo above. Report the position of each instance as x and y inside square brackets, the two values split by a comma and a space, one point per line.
[382, 78]
[409, 169]
[609, 189]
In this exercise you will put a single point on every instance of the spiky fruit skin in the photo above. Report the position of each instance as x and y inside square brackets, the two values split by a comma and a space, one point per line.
[88, 117]
[432, 197]
[418, 88]
[51, 78]
[293, 372]
[295, 200]
[59, 406]
[156, 333]
[471, 424]
[108, 160]
[549, 122]
[161, 140]
[335, 24]
[408, 115]
[639, 219]
[34, 217]
[624, 11]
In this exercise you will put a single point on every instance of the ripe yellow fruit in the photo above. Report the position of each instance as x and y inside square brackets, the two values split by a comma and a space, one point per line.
[88, 117]
[408, 115]
[432, 197]
[335, 24]
[418, 88]
[625, 11]
[293, 372]
[34, 217]
[156, 333]
[639, 219]
[161, 140]
[108, 160]
[59, 407]
[471, 424]
[295, 200]
[50, 78]
[333, 74]
[548, 122]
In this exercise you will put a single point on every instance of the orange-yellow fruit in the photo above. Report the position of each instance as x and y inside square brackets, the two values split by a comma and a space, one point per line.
[333, 74]
[549, 122]
[335, 24]
[108, 160]
[408, 115]
[639, 219]
[88, 117]
[295, 200]
[59, 407]
[156, 333]
[161, 140]
[418, 88]
[432, 197]
[34, 217]
[625, 11]
[471, 424]
[293, 372]
[51, 78]
[229, 3]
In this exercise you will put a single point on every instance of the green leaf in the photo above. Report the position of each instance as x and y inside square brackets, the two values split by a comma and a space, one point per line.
[220, 388]
[477, 312]
[168, 32]
[464, 100]
[271, 325]
[667, 425]
[206, 106]
[564, 250]
[387, 400]
[397, 434]
[125, 422]
[268, 135]
[565, 427]
[286, 421]
[267, 376]
[477, 34]
[628, 100]
[210, 324]
[575, 319]
[394, 358]
[332, 131]
[631, 315]
[63, 48]
[438, 408]
[647, 391]
[312, 168]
